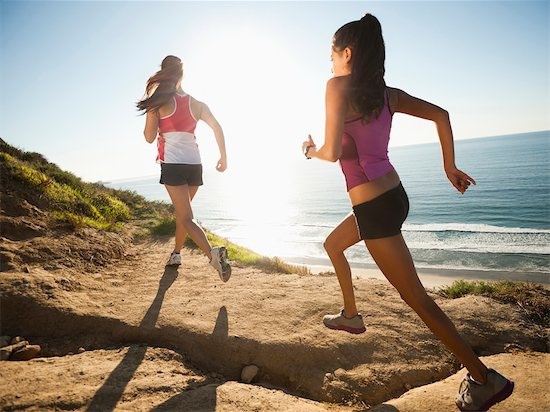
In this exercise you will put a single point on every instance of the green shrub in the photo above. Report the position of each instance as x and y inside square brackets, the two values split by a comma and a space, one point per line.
[533, 298]
[165, 226]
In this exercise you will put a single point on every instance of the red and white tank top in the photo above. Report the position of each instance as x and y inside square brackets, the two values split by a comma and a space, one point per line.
[177, 142]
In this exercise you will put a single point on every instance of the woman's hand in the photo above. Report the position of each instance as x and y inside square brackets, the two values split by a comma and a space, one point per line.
[312, 147]
[460, 180]
[221, 165]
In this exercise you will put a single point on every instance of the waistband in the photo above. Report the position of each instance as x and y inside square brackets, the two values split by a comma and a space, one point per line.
[399, 189]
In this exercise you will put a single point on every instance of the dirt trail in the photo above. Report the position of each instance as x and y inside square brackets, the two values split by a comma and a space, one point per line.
[187, 324]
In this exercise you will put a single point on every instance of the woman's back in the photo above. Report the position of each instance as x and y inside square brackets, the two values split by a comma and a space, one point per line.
[177, 142]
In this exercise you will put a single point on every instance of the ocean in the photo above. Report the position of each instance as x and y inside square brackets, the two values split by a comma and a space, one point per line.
[502, 224]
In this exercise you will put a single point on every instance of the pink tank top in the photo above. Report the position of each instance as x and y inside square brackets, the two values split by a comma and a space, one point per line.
[176, 141]
[365, 148]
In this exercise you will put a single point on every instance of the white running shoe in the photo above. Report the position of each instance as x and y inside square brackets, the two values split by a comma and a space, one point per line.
[175, 259]
[219, 262]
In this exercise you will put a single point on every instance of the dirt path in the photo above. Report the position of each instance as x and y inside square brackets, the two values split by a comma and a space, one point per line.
[181, 339]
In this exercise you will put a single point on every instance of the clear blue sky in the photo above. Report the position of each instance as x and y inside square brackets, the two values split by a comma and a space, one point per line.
[72, 71]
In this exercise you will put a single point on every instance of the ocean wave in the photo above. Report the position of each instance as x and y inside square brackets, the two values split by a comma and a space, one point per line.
[469, 227]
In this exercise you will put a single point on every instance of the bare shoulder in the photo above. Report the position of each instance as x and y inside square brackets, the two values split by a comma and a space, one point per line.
[393, 97]
[398, 98]
[339, 83]
[197, 107]
[394, 93]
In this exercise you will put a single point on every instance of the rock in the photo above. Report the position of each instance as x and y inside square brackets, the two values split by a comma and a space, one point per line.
[26, 353]
[26, 269]
[6, 351]
[4, 341]
[513, 348]
[339, 373]
[81, 350]
[248, 373]
[16, 339]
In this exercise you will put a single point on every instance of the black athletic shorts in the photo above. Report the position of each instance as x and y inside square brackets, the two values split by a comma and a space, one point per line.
[177, 174]
[384, 215]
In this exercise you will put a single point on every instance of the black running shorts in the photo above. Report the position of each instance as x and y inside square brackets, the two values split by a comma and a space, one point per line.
[384, 215]
[176, 174]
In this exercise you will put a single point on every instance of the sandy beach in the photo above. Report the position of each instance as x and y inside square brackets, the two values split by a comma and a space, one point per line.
[435, 278]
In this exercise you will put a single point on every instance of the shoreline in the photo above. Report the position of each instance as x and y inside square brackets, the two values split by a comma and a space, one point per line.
[430, 277]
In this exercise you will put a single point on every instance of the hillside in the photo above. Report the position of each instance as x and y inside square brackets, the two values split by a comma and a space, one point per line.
[51, 218]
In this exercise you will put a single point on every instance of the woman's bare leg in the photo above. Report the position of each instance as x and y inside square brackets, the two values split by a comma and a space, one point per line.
[181, 233]
[181, 199]
[393, 257]
[342, 237]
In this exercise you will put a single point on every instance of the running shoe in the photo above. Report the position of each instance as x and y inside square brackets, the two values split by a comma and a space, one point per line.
[175, 259]
[340, 322]
[473, 396]
[220, 263]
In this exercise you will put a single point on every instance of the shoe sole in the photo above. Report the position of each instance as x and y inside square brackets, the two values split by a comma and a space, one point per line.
[499, 397]
[226, 272]
[172, 265]
[355, 331]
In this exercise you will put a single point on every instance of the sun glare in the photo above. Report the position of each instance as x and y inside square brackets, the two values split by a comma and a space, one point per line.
[248, 77]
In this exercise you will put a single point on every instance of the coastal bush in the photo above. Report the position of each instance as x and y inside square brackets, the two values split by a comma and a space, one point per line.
[532, 298]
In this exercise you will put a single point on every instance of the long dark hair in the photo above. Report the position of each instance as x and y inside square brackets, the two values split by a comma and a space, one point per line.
[364, 38]
[161, 86]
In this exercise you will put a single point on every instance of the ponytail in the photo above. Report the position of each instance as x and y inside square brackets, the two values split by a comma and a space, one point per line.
[365, 39]
[161, 87]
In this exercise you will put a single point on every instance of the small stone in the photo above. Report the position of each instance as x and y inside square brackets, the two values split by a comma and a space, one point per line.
[26, 353]
[248, 373]
[26, 269]
[16, 339]
[338, 373]
[4, 341]
[81, 350]
[328, 376]
[513, 347]
[408, 386]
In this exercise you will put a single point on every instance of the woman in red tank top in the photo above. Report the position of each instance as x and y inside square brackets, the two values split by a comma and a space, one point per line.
[172, 116]
[359, 107]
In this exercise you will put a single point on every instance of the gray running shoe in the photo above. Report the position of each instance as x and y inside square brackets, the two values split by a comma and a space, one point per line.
[475, 397]
[340, 322]
[219, 261]
[175, 259]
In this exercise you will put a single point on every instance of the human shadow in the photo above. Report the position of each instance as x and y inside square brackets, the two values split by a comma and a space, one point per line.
[221, 328]
[203, 398]
[110, 393]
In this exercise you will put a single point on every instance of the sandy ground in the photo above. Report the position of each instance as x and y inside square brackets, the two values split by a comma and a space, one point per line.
[155, 338]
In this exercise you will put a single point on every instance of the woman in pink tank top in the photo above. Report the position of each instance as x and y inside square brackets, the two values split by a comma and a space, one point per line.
[171, 118]
[359, 109]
